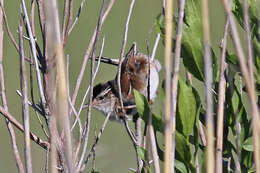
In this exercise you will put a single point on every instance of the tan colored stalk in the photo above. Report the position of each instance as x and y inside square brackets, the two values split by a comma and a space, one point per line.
[210, 158]
[168, 63]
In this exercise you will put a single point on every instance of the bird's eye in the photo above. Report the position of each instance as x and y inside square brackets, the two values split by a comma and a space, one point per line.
[101, 97]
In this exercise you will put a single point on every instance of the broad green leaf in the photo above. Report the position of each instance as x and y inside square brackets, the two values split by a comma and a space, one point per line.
[180, 166]
[192, 48]
[182, 148]
[248, 144]
[143, 110]
[186, 108]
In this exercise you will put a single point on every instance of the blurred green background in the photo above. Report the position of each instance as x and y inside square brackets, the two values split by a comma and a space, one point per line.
[114, 152]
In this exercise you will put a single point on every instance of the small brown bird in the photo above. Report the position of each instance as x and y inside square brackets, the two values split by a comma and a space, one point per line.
[134, 75]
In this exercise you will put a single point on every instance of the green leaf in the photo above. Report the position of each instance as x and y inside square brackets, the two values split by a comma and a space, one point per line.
[180, 166]
[186, 108]
[182, 148]
[248, 144]
[143, 110]
[192, 48]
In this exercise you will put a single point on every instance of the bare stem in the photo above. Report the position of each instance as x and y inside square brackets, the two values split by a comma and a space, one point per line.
[33, 137]
[249, 82]
[25, 106]
[3, 98]
[87, 123]
[167, 60]
[221, 100]
[208, 88]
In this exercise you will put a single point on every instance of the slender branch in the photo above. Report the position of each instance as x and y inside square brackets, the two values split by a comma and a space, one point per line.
[33, 49]
[36, 139]
[208, 88]
[92, 149]
[77, 17]
[3, 98]
[87, 124]
[167, 60]
[249, 82]
[87, 53]
[77, 119]
[221, 100]
[122, 53]
[25, 107]
[174, 90]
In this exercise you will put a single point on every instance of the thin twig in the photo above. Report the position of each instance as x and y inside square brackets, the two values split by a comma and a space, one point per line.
[174, 90]
[158, 36]
[31, 104]
[86, 93]
[221, 100]
[25, 107]
[33, 49]
[150, 125]
[87, 124]
[122, 53]
[77, 17]
[208, 88]
[92, 149]
[3, 98]
[33, 137]
[167, 60]
[87, 53]
[249, 82]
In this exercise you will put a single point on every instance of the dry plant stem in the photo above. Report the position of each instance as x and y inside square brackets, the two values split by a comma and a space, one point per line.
[87, 123]
[86, 56]
[92, 149]
[33, 137]
[67, 14]
[77, 119]
[221, 100]
[249, 81]
[168, 62]
[8, 29]
[248, 40]
[33, 49]
[138, 134]
[17, 157]
[210, 168]
[174, 90]
[25, 106]
[77, 17]
[55, 50]
[122, 52]
[158, 36]
[150, 126]
[32, 16]
[82, 103]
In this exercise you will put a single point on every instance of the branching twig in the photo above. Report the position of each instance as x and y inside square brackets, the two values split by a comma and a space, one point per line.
[122, 53]
[249, 82]
[96, 141]
[33, 49]
[87, 124]
[87, 53]
[33, 137]
[3, 99]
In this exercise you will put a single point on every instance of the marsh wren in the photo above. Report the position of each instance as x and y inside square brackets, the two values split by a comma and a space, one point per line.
[134, 75]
